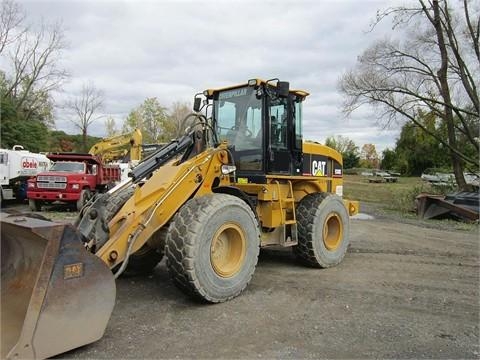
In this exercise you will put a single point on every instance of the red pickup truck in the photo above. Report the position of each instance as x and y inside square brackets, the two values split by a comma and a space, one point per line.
[72, 179]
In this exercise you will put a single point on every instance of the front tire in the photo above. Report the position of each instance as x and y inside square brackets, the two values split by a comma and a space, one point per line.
[143, 261]
[35, 205]
[212, 247]
[85, 195]
[323, 230]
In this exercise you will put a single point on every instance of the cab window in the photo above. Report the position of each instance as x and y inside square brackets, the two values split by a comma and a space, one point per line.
[278, 123]
[238, 118]
[298, 125]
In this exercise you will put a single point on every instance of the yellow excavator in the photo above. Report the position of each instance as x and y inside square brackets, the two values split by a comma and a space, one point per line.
[124, 147]
[241, 178]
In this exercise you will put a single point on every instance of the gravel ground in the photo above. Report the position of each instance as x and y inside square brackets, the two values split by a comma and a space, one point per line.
[406, 289]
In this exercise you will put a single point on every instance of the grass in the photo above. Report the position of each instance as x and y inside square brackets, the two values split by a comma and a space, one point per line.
[398, 198]
[357, 187]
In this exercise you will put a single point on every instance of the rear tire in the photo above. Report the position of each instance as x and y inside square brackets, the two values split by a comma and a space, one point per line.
[323, 230]
[85, 195]
[212, 247]
[35, 205]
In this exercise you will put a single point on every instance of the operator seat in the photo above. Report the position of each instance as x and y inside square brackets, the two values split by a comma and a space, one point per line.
[274, 131]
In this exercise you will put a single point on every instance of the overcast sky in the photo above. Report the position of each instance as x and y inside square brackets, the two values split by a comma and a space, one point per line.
[133, 50]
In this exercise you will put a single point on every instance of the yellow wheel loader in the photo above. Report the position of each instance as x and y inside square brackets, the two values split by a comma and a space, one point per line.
[240, 178]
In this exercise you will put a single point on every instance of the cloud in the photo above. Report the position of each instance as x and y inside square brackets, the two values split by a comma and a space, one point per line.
[171, 50]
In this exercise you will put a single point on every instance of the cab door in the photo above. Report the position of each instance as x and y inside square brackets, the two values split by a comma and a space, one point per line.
[279, 137]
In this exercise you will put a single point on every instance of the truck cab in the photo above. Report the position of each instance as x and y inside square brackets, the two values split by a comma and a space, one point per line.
[72, 179]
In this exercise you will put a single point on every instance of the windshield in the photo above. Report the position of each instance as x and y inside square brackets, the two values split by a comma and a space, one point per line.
[238, 115]
[68, 166]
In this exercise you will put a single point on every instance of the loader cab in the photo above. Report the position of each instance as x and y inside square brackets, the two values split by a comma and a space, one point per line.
[262, 123]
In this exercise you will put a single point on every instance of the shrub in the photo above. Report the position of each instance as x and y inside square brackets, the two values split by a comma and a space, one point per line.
[404, 201]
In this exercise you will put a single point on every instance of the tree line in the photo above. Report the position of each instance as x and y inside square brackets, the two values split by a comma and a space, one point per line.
[413, 152]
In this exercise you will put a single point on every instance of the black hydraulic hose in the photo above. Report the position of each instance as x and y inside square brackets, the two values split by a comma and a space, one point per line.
[160, 157]
[167, 152]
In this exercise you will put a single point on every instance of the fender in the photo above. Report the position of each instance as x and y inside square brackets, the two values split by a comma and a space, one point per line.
[231, 190]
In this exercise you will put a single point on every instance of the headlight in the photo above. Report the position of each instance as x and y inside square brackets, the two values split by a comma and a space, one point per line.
[228, 169]
[31, 185]
[75, 186]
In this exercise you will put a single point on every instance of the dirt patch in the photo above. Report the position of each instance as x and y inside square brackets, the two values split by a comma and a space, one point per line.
[403, 291]
[406, 289]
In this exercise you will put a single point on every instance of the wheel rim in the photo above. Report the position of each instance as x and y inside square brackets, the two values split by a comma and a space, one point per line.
[332, 231]
[227, 252]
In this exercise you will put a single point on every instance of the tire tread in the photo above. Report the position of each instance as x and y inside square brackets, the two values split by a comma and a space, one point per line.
[307, 214]
[180, 249]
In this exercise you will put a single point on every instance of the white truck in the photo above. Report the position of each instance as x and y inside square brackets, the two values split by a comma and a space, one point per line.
[16, 166]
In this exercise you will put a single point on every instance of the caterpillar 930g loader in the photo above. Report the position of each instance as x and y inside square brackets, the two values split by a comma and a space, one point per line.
[241, 178]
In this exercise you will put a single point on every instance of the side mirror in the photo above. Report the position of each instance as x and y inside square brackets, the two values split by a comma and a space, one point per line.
[197, 104]
[283, 88]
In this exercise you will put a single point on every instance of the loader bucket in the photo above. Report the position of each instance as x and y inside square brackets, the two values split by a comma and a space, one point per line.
[55, 295]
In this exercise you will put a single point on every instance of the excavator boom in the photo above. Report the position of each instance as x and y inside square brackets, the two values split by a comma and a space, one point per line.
[119, 147]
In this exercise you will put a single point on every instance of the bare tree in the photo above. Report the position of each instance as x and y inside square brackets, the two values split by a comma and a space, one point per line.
[11, 20]
[35, 61]
[85, 106]
[434, 69]
[33, 54]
